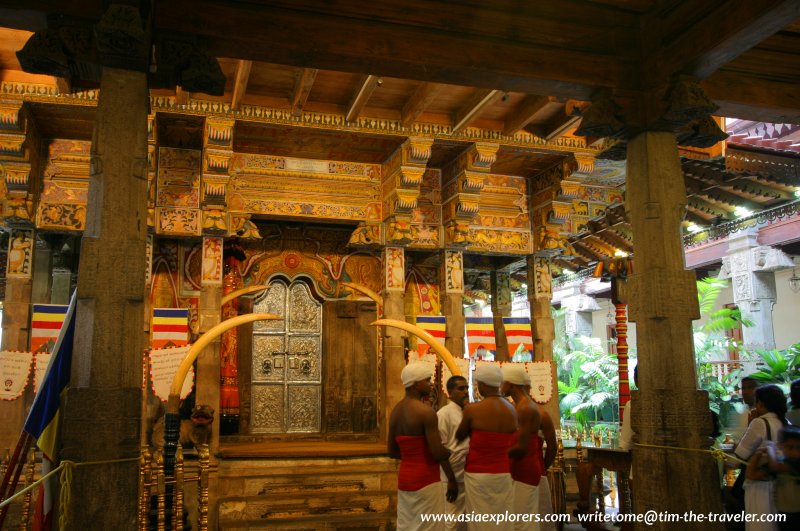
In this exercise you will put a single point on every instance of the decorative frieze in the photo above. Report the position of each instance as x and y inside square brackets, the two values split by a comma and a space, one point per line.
[366, 235]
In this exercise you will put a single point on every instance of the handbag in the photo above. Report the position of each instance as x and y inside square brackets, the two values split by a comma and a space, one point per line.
[735, 503]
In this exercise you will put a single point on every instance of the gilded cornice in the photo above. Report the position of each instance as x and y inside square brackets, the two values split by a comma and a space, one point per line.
[333, 122]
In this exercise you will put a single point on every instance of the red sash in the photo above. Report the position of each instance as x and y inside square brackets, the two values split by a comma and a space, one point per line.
[418, 469]
[529, 468]
[488, 452]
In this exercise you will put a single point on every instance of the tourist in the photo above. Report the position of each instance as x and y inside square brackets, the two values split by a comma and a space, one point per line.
[491, 425]
[450, 417]
[793, 416]
[414, 439]
[770, 405]
[784, 470]
[526, 454]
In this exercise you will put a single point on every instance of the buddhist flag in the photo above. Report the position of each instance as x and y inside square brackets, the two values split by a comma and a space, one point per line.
[480, 334]
[518, 334]
[433, 324]
[169, 327]
[45, 324]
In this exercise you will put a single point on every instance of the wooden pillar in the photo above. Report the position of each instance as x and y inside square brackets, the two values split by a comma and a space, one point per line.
[668, 409]
[501, 307]
[102, 413]
[540, 292]
[393, 338]
[452, 291]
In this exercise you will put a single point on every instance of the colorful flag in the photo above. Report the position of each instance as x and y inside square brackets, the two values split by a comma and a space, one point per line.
[433, 324]
[480, 336]
[519, 337]
[45, 324]
[44, 417]
[169, 327]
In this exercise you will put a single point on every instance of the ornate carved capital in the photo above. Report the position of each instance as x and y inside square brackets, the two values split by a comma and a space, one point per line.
[366, 235]
[18, 211]
[602, 118]
[17, 178]
[482, 155]
[215, 221]
[243, 227]
[398, 231]
[687, 101]
[457, 233]
[121, 39]
[11, 118]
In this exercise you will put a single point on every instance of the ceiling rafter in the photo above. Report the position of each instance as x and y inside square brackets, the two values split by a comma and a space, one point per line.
[421, 98]
[240, 82]
[530, 107]
[474, 106]
[361, 96]
[303, 83]
[703, 206]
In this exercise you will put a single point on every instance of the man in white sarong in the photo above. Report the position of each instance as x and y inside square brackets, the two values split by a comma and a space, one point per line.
[414, 439]
[450, 417]
[491, 425]
[527, 464]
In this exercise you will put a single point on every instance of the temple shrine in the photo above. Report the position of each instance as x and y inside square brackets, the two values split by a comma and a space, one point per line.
[178, 164]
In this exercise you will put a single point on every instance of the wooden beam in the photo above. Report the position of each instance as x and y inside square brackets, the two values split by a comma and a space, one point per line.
[477, 103]
[749, 98]
[422, 97]
[723, 34]
[304, 81]
[531, 105]
[459, 55]
[63, 85]
[181, 96]
[366, 87]
[240, 83]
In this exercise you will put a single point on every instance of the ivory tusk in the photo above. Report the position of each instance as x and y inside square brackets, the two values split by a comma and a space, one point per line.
[440, 349]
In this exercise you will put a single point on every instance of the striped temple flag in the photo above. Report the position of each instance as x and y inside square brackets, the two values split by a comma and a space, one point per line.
[480, 334]
[45, 324]
[44, 418]
[169, 327]
[435, 325]
[518, 334]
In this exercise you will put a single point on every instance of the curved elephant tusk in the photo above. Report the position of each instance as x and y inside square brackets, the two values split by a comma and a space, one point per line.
[239, 292]
[440, 349]
[201, 343]
[366, 291]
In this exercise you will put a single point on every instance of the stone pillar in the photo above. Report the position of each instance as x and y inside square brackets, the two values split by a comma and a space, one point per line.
[751, 268]
[393, 345]
[501, 307]
[668, 409]
[452, 291]
[540, 292]
[579, 308]
[102, 414]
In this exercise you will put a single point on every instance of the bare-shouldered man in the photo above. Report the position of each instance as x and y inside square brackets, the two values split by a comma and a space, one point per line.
[491, 425]
[414, 439]
[547, 434]
[527, 464]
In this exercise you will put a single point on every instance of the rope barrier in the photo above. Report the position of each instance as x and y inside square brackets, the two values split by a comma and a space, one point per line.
[65, 482]
[716, 453]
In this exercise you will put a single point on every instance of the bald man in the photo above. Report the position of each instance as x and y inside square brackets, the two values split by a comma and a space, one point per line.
[414, 439]
[491, 425]
[526, 454]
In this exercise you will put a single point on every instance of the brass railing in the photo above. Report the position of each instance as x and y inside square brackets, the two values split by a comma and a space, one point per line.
[168, 490]
[26, 479]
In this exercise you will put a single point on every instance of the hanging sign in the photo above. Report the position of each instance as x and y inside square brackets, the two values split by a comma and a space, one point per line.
[163, 366]
[14, 370]
[541, 380]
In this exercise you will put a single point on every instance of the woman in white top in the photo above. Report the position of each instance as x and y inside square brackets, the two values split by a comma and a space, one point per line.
[771, 410]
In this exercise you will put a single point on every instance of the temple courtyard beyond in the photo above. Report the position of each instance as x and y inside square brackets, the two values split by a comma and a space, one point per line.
[461, 167]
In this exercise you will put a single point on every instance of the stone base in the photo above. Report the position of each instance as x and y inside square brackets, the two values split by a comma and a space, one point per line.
[307, 493]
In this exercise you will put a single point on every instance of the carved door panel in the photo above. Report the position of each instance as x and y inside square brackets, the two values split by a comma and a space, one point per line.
[286, 367]
[350, 377]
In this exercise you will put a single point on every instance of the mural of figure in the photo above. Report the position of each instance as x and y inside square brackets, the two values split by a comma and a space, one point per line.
[543, 277]
[19, 254]
[212, 260]
[395, 269]
[455, 272]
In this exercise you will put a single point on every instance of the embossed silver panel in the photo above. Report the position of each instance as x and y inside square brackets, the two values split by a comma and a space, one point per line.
[287, 357]
[304, 408]
[268, 409]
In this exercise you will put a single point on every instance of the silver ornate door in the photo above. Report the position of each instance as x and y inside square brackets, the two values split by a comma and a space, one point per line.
[287, 362]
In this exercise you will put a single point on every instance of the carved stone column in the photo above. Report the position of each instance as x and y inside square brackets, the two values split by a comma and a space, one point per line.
[102, 416]
[540, 293]
[751, 268]
[393, 345]
[501, 307]
[579, 308]
[452, 291]
[668, 409]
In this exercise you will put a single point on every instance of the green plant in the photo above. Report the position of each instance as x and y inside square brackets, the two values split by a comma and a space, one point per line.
[778, 366]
